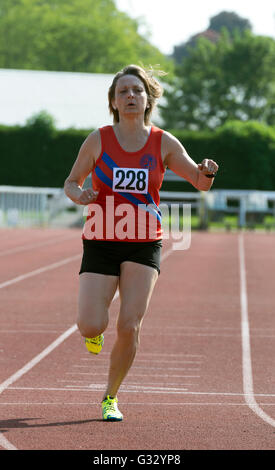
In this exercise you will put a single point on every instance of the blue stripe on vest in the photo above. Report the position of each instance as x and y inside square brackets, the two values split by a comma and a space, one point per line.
[105, 179]
[111, 164]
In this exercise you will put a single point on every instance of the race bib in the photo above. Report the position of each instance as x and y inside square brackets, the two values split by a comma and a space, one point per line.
[130, 180]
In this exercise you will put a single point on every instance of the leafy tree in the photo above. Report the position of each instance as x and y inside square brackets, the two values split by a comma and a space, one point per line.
[181, 50]
[227, 80]
[229, 20]
[71, 35]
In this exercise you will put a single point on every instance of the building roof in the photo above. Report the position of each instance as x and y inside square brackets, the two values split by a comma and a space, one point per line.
[208, 34]
[78, 100]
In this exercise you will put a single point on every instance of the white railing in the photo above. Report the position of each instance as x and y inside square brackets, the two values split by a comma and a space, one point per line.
[28, 206]
[241, 202]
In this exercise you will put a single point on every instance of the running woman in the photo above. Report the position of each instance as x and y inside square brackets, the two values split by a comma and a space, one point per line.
[127, 161]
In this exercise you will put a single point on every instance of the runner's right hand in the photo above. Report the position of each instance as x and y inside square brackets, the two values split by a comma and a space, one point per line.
[87, 196]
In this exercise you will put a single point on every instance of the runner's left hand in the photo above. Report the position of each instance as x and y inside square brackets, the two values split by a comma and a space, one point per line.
[208, 166]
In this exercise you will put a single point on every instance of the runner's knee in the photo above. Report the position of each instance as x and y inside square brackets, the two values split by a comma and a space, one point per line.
[91, 325]
[129, 329]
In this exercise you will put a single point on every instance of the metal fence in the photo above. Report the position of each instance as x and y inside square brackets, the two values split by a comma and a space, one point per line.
[27, 206]
[247, 204]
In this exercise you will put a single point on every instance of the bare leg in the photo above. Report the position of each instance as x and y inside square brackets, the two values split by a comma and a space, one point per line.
[136, 286]
[96, 292]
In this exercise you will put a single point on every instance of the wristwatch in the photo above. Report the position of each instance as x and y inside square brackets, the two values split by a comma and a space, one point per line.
[212, 175]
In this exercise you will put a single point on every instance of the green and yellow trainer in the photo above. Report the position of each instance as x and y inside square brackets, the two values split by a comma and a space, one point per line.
[94, 345]
[110, 411]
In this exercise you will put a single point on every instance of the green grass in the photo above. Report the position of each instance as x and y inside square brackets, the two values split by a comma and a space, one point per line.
[27, 218]
[229, 222]
[220, 223]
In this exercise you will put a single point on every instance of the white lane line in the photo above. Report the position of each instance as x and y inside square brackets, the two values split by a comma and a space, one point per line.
[6, 444]
[4, 385]
[162, 384]
[132, 369]
[147, 361]
[31, 246]
[13, 378]
[60, 404]
[246, 350]
[144, 375]
[128, 388]
[19, 332]
[3, 441]
[39, 271]
[140, 367]
[179, 355]
[214, 328]
[62, 389]
[54, 266]
[79, 383]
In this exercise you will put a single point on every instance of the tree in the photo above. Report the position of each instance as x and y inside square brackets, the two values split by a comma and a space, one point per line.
[71, 35]
[229, 20]
[231, 79]
[181, 50]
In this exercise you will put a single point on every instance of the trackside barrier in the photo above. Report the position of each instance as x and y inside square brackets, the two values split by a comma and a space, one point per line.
[29, 206]
[195, 199]
[241, 202]
[244, 203]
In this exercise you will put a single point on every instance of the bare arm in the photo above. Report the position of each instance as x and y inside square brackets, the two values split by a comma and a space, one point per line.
[178, 160]
[88, 153]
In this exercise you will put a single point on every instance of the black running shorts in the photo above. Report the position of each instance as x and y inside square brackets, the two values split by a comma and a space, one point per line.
[105, 257]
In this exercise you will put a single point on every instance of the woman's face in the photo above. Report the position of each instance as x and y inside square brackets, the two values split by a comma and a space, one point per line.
[130, 96]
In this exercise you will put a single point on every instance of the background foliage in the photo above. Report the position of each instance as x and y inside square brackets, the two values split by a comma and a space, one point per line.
[40, 155]
[72, 35]
[219, 91]
[231, 78]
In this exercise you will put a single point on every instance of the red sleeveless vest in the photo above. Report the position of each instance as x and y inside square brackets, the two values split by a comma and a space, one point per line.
[128, 183]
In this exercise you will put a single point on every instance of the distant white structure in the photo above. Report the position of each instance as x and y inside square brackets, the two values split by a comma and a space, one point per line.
[78, 100]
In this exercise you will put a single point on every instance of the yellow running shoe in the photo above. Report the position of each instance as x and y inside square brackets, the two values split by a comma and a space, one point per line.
[110, 411]
[94, 345]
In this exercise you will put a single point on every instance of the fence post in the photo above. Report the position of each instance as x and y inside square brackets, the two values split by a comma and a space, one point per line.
[203, 211]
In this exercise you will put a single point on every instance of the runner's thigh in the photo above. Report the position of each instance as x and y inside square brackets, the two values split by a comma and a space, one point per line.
[96, 292]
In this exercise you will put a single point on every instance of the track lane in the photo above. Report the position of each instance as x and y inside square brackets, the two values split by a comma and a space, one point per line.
[14, 237]
[261, 304]
[15, 262]
[211, 414]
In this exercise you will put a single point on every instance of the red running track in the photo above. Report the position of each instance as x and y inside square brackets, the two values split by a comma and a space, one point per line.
[203, 377]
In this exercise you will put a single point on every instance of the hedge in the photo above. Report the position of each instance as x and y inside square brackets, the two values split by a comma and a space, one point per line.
[39, 155]
[244, 151]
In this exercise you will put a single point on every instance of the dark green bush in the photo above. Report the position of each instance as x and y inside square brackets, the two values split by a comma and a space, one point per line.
[244, 151]
[39, 155]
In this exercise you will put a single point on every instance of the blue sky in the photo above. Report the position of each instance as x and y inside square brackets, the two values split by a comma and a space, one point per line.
[174, 21]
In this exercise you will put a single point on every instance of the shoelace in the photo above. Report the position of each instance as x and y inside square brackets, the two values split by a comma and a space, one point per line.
[111, 403]
[111, 407]
[95, 339]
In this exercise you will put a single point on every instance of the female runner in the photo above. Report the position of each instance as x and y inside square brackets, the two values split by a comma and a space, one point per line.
[122, 234]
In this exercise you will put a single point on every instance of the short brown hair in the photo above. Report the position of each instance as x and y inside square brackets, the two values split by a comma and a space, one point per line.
[152, 87]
